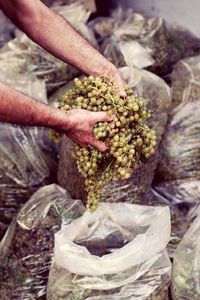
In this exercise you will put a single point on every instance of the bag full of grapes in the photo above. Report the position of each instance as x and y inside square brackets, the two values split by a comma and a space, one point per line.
[177, 178]
[22, 55]
[186, 267]
[26, 156]
[27, 248]
[117, 252]
[182, 197]
[134, 39]
[180, 145]
[126, 171]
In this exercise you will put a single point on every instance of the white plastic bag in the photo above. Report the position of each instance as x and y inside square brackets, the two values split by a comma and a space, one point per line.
[119, 250]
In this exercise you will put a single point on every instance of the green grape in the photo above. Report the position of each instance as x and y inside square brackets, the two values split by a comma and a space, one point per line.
[127, 136]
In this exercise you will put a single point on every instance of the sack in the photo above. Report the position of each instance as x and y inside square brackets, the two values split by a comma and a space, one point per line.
[104, 255]
[182, 197]
[161, 45]
[186, 276]
[22, 55]
[180, 145]
[157, 95]
[27, 247]
[25, 163]
[177, 176]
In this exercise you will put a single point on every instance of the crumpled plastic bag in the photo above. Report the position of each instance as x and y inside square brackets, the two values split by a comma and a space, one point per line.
[27, 247]
[163, 44]
[118, 252]
[186, 266]
[22, 55]
[177, 178]
[182, 197]
[25, 161]
[133, 190]
[181, 143]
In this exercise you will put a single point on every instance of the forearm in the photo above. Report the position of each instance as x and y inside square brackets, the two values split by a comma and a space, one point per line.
[54, 34]
[20, 109]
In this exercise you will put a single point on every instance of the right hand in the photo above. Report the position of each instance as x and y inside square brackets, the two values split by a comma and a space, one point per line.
[79, 127]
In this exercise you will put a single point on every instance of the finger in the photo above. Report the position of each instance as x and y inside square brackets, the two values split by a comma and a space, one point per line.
[122, 92]
[101, 146]
[121, 86]
[103, 117]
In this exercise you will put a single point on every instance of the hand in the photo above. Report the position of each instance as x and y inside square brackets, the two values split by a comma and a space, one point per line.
[79, 127]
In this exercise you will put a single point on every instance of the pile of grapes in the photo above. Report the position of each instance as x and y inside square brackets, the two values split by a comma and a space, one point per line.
[130, 141]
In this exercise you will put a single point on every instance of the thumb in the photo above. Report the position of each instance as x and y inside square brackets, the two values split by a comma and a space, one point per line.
[121, 85]
[122, 92]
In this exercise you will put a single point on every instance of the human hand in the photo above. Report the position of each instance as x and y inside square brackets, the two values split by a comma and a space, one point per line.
[79, 127]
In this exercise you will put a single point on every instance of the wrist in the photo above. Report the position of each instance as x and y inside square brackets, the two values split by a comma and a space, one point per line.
[58, 119]
[106, 68]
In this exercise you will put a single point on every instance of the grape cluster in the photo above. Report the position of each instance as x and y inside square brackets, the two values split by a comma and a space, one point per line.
[129, 139]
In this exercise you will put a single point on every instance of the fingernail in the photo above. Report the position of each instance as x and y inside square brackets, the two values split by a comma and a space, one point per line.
[122, 94]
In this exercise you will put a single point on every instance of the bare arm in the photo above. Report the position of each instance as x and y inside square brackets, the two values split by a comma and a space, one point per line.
[54, 34]
[77, 124]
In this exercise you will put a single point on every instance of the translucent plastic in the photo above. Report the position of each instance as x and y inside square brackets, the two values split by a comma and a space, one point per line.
[182, 197]
[22, 55]
[186, 276]
[164, 45]
[177, 177]
[179, 148]
[133, 190]
[180, 145]
[27, 248]
[104, 255]
[25, 165]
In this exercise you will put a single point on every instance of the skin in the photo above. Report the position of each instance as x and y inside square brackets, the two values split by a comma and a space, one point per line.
[54, 34]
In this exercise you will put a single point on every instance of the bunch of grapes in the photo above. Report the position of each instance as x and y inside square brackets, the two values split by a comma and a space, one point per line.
[130, 141]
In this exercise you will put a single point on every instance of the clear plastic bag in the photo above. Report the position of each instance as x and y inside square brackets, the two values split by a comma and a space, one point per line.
[163, 44]
[22, 55]
[182, 197]
[133, 190]
[27, 247]
[186, 276]
[25, 163]
[104, 255]
[177, 176]
[180, 145]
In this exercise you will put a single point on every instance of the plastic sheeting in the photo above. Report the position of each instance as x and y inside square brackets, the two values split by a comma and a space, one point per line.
[22, 55]
[27, 248]
[180, 145]
[133, 190]
[160, 45]
[186, 275]
[25, 160]
[104, 255]
[177, 177]
[182, 197]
